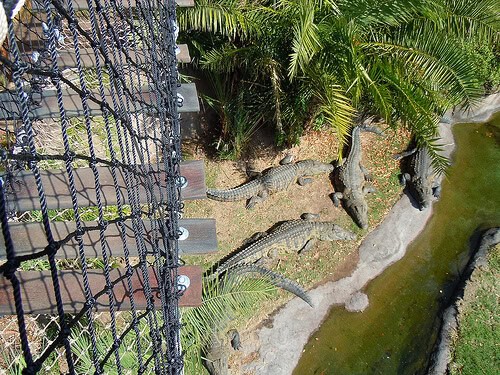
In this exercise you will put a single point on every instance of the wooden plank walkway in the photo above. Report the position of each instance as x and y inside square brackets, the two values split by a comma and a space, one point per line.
[38, 295]
[36, 286]
[56, 186]
[48, 107]
[29, 238]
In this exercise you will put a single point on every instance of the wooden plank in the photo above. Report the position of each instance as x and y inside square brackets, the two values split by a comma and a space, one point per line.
[67, 58]
[37, 291]
[56, 187]
[83, 4]
[29, 238]
[185, 3]
[48, 107]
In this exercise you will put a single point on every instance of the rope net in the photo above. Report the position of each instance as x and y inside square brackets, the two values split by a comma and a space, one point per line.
[92, 85]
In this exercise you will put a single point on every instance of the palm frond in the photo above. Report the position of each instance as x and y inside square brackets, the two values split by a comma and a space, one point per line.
[305, 41]
[223, 299]
[225, 59]
[335, 107]
[379, 92]
[421, 114]
[478, 19]
[227, 17]
[432, 57]
[376, 13]
[435, 149]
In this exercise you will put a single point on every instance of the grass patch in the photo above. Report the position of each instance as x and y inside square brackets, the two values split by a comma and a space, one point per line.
[210, 174]
[476, 347]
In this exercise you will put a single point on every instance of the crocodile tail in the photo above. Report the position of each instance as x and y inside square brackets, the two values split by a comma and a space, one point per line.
[274, 278]
[231, 262]
[244, 191]
[371, 129]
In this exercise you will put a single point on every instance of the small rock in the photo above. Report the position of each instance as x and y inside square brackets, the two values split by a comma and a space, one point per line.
[357, 303]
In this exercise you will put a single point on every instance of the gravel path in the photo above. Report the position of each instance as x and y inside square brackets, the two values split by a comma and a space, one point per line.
[279, 344]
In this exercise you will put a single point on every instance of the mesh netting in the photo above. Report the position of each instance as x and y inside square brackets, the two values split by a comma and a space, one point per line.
[92, 85]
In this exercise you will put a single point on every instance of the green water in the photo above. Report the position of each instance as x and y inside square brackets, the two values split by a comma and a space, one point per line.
[395, 334]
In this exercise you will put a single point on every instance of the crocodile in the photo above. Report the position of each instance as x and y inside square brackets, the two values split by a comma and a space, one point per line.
[272, 180]
[235, 340]
[351, 180]
[215, 356]
[274, 278]
[421, 180]
[294, 235]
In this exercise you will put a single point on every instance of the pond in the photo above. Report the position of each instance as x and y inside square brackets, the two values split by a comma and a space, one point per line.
[396, 333]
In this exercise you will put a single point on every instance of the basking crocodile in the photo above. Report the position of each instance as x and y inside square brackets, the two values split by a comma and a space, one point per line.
[421, 180]
[295, 235]
[272, 180]
[274, 278]
[351, 181]
[215, 356]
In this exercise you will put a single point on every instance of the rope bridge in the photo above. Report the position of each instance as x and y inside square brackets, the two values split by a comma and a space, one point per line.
[91, 187]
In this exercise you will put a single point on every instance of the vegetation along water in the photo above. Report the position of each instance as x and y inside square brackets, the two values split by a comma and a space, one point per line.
[396, 333]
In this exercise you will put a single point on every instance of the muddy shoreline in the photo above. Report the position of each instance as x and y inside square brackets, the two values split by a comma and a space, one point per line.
[276, 347]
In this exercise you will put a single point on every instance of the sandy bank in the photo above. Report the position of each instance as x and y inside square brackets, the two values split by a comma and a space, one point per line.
[277, 346]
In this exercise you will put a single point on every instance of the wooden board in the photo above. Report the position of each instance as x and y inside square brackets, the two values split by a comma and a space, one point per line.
[48, 106]
[37, 291]
[55, 183]
[67, 59]
[29, 238]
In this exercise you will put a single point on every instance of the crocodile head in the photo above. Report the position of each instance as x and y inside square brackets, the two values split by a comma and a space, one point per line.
[357, 208]
[421, 191]
[332, 232]
[315, 167]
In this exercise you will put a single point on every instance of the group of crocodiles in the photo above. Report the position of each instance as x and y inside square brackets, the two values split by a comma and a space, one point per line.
[351, 181]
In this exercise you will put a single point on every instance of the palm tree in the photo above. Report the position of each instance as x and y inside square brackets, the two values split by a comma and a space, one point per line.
[403, 61]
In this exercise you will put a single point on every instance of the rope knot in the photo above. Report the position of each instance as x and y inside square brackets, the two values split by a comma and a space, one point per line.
[56, 77]
[129, 272]
[10, 268]
[103, 224]
[90, 303]
[85, 94]
[52, 248]
[69, 156]
[79, 233]
[21, 67]
[104, 109]
[117, 343]
[109, 287]
[72, 22]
